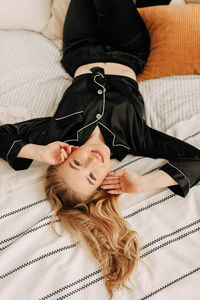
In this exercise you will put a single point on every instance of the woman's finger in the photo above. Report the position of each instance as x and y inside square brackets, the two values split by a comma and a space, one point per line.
[67, 148]
[71, 148]
[114, 192]
[62, 156]
[110, 186]
[116, 174]
[65, 156]
[63, 144]
[110, 181]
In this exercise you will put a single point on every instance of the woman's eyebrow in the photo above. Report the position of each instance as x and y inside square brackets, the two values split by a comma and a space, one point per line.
[73, 167]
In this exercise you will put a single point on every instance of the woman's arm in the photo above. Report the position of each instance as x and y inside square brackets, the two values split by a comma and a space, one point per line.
[54, 153]
[14, 137]
[126, 181]
[156, 179]
[183, 159]
[31, 151]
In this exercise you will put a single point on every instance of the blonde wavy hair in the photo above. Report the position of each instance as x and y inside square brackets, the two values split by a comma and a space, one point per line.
[106, 233]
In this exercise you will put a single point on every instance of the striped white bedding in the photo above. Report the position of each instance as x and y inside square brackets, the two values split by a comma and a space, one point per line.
[35, 263]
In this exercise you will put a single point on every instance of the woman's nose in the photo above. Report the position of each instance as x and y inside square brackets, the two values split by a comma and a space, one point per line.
[92, 158]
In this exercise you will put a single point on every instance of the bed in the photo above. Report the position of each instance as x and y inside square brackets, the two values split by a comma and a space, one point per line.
[38, 265]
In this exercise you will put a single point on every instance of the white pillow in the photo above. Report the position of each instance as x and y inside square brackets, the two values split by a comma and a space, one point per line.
[24, 14]
[30, 74]
[54, 28]
[177, 2]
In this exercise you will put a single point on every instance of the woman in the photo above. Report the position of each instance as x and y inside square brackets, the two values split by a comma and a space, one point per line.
[105, 45]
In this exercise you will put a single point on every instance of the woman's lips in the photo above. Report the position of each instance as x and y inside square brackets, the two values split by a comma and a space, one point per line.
[99, 155]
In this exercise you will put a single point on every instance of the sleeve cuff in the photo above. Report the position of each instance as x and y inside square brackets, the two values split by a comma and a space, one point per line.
[183, 186]
[15, 162]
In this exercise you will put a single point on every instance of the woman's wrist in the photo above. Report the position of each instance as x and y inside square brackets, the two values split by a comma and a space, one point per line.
[32, 151]
[156, 179]
[138, 184]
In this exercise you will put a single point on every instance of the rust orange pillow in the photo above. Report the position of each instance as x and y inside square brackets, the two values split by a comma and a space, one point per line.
[175, 40]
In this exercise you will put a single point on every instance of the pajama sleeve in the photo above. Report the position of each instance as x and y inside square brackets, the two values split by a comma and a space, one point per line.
[14, 136]
[183, 159]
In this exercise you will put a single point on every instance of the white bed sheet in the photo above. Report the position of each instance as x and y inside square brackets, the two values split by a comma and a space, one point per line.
[35, 263]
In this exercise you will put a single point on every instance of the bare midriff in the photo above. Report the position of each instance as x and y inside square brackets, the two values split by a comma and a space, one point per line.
[109, 68]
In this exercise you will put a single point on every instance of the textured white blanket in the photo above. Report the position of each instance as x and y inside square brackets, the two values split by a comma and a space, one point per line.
[36, 264]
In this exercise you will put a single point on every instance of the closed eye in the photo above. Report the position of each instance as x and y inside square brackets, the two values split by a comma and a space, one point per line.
[78, 163]
[92, 176]
[78, 169]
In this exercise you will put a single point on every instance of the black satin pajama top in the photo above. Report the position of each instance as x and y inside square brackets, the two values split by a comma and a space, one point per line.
[115, 104]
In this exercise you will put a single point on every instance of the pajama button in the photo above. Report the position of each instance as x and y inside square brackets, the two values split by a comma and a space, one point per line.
[99, 92]
[98, 116]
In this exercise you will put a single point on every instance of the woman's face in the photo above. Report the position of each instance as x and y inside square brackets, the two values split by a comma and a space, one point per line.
[85, 168]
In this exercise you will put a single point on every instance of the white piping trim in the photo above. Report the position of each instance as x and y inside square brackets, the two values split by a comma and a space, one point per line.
[104, 93]
[102, 113]
[12, 147]
[180, 172]
[78, 112]
[114, 138]
[77, 134]
[99, 74]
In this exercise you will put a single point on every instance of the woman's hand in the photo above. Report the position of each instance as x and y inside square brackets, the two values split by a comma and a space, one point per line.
[57, 152]
[124, 181]
[54, 153]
